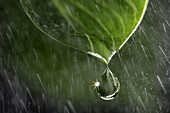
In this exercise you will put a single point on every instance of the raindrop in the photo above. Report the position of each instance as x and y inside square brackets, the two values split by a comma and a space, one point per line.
[107, 86]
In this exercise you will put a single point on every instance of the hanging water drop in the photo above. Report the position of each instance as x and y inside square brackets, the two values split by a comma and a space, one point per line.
[107, 86]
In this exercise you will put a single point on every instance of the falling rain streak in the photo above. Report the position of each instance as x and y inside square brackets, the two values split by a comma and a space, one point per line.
[38, 75]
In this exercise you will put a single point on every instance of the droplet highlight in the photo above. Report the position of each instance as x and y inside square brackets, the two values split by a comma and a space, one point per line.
[107, 86]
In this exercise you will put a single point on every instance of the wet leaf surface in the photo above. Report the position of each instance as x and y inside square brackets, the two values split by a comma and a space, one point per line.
[100, 27]
[39, 75]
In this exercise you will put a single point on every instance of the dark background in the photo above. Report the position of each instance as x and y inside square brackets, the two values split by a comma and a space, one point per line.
[39, 75]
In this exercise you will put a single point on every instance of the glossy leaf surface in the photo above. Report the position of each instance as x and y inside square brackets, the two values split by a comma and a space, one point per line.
[97, 27]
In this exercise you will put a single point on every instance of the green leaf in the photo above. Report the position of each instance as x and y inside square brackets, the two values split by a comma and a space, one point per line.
[96, 27]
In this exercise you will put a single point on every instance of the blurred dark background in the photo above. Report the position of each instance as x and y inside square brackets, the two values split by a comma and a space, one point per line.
[39, 75]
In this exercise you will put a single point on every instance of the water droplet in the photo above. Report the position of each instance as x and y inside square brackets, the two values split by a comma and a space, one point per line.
[107, 86]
